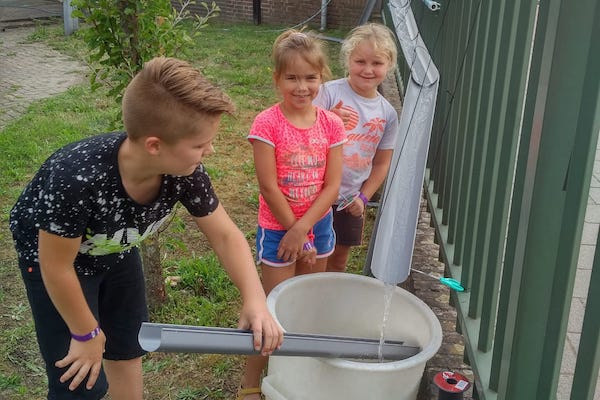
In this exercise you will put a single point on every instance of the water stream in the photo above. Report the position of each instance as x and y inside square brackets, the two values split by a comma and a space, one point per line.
[387, 301]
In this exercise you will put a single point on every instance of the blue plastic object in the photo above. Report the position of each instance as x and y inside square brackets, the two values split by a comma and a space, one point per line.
[450, 282]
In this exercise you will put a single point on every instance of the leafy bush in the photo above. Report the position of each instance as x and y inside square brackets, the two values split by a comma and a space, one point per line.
[123, 34]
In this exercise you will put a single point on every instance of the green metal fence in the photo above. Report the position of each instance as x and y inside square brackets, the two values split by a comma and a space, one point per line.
[507, 180]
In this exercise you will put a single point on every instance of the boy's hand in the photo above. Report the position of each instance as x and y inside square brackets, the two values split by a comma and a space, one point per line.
[85, 359]
[268, 335]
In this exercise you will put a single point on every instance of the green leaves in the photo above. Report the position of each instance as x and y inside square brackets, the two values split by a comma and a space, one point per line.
[123, 34]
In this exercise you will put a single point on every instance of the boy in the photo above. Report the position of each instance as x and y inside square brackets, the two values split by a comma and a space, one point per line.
[77, 224]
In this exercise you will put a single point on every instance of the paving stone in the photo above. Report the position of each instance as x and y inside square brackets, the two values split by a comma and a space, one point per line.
[32, 71]
[586, 256]
[576, 315]
[592, 213]
[582, 283]
[590, 233]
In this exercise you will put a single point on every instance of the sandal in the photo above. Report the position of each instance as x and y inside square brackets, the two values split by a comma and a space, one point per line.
[243, 392]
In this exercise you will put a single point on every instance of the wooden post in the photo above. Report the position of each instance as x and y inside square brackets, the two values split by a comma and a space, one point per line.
[256, 12]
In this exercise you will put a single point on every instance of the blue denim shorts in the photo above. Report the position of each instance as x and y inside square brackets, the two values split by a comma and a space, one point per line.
[267, 242]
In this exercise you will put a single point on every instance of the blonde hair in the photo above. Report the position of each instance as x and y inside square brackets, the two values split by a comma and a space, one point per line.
[292, 43]
[378, 35]
[165, 98]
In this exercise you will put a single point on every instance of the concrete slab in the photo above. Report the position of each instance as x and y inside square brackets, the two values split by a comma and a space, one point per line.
[15, 13]
[22, 62]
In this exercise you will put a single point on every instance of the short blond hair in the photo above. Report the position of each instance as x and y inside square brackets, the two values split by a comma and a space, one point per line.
[293, 43]
[166, 95]
[379, 35]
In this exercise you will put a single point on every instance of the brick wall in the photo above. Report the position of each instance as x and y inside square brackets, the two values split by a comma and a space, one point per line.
[340, 13]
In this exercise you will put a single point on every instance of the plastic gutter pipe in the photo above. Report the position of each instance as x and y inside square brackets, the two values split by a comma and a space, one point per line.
[209, 340]
[391, 247]
[432, 5]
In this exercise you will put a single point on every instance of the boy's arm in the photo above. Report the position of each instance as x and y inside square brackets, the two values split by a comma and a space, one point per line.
[233, 251]
[57, 255]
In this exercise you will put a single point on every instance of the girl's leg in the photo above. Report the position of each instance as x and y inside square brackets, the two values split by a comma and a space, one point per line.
[125, 380]
[339, 259]
[272, 276]
[255, 365]
[304, 268]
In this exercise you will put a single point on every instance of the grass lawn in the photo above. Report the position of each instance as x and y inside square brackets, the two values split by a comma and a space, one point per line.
[237, 58]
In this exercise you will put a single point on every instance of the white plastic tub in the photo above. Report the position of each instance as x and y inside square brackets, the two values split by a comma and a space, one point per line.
[345, 304]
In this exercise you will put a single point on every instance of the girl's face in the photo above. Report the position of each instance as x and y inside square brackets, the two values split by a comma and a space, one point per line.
[367, 68]
[299, 84]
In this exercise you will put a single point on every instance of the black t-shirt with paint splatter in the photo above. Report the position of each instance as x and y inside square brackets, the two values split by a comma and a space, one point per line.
[78, 192]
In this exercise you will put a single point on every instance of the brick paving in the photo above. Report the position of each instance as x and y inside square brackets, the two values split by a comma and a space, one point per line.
[31, 71]
[14, 13]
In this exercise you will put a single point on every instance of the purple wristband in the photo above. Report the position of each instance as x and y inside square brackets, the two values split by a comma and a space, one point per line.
[87, 336]
[363, 198]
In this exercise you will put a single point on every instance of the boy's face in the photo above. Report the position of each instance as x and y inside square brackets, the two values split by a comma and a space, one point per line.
[185, 155]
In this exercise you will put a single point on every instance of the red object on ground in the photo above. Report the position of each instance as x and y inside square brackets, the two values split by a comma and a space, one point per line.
[451, 384]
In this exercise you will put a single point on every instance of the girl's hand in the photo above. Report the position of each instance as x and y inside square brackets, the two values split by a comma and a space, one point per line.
[309, 251]
[356, 208]
[85, 359]
[344, 115]
[309, 256]
[290, 246]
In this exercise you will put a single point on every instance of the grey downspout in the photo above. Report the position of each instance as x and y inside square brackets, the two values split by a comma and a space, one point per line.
[323, 15]
[392, 242]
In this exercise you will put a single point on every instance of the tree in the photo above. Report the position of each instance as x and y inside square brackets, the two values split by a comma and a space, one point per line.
[121, 36]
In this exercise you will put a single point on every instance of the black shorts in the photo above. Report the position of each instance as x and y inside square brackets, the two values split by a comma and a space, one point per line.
[117, 299]
[348, 228]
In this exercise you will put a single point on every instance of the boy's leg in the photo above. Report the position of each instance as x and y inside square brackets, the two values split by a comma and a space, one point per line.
[122, 310]
[125, 377]
[54, 337]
